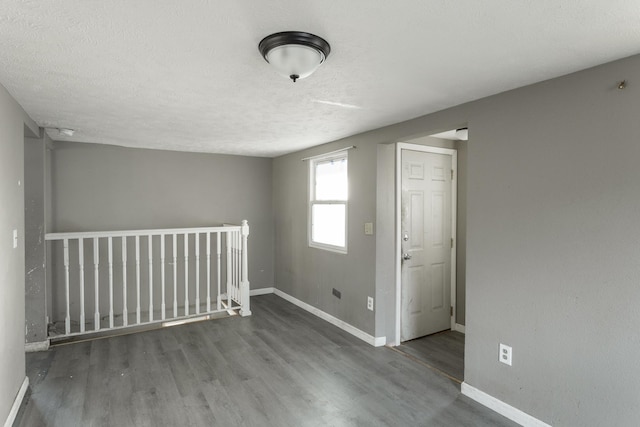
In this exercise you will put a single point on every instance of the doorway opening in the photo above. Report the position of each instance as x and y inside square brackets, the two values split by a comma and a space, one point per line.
[426, 240]
[430, 252]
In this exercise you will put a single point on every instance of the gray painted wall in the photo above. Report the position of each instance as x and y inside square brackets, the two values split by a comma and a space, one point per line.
[552, 232]
[35, 255]
[310, 274]
[14, 123]
[102, 187]
[385, 230]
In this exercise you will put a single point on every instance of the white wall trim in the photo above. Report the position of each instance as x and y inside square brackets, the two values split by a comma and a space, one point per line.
[459, 328]
[261, 291]
[504, 409]
[374, 341]
[17, 403]
[379, 341]
[32, 347]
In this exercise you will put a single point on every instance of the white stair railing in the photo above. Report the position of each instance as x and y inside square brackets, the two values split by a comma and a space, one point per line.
[205, 286]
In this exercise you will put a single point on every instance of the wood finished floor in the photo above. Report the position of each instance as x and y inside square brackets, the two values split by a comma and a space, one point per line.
[279, 367]
[443, 351]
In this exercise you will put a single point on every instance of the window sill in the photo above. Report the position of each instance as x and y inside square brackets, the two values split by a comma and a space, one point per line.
[329, 248]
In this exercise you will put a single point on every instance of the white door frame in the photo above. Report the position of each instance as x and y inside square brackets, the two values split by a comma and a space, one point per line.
[454, 202]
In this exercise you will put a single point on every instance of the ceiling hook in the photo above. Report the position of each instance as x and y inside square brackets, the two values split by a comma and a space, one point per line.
[622, 85]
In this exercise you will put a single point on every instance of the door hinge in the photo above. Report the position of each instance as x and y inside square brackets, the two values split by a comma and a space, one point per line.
[451, 174]
[452, 243]
[451, 310]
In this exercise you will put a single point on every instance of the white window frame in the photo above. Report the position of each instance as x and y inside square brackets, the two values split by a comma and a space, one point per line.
[312, 186]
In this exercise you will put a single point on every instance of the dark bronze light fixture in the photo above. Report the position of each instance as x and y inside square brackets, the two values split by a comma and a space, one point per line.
[295, 54]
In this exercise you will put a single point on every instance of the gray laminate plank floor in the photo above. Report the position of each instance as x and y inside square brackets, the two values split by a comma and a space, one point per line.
[279, 367]
[443, 351]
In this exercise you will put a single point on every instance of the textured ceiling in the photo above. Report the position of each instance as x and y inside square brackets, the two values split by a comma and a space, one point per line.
[187, 75]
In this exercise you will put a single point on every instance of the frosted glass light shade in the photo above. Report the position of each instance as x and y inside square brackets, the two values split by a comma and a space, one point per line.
[295, 60]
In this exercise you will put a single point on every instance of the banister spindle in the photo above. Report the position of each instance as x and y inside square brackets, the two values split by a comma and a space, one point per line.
[197, 246]
[233, 266]
[239, 269]
[162, 267]
[150, 254]
[218, 252]
[110, 246]
[81, 271]
[125, 319]
[175, 275]
[229, 269]
[67, 318]
[236, 262]
[208, 271]
[239, 261]
[138, 280]
[186, 274]
[96, 274]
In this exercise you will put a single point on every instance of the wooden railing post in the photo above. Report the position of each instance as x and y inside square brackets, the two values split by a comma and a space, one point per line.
[245, 309]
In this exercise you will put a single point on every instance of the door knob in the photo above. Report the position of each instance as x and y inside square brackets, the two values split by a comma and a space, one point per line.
[406, 257]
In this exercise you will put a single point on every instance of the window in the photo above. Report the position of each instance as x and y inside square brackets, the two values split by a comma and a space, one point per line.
[328, 194]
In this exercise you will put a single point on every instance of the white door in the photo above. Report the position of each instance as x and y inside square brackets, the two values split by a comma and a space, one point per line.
[426, 243]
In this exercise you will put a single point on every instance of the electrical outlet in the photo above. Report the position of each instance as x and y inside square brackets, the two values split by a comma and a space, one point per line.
[370, 303]
[505, 354]
[15, 239]
[336, 293]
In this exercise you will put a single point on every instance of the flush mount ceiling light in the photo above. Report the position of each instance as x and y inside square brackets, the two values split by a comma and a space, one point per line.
[295, 54]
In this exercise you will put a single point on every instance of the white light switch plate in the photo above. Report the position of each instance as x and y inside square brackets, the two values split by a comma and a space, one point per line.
[15, 239]
[368, 228]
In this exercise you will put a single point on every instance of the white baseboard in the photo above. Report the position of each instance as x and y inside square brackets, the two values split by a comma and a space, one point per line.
[261, 291]
[374, 341]
[32, 347]
[459, 328]
[504, 409]
[379, 341]
[17, 403]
